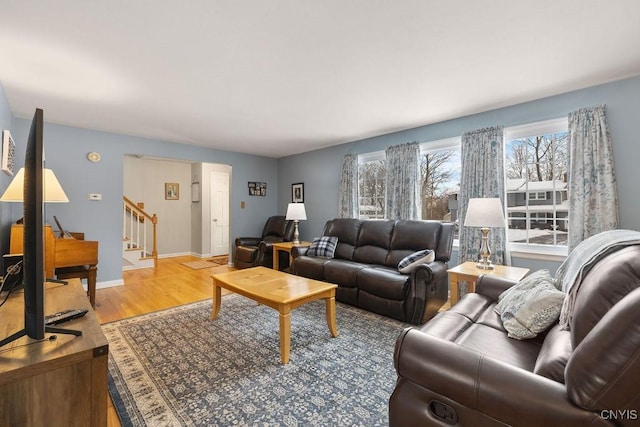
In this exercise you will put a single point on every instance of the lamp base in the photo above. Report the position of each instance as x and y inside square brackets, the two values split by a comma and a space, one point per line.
[296, 234]
[488, 266]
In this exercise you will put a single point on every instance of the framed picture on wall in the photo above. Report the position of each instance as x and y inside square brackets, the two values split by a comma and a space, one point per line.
[297, 192]
[171, 191]
[8, 152]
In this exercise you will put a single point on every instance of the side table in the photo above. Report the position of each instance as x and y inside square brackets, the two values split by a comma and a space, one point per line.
[468, 272]
[286, 247]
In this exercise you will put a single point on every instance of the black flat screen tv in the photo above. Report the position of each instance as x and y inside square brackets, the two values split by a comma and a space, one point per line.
[33, 244]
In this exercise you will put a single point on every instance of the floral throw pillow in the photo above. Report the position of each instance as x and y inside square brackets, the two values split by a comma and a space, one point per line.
[324, 246]
[410, 262]
[530, 306]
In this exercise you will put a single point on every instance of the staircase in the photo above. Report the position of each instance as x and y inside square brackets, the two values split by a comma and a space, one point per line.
[139, 234]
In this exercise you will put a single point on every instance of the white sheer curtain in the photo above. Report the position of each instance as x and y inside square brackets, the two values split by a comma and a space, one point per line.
[482, 175]
[348, 202]
[403, 181]
[593, 195]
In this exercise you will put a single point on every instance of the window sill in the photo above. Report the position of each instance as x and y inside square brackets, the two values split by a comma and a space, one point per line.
[538, 252]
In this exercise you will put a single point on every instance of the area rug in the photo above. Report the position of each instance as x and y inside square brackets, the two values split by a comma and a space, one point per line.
[220, 260]
[197, 265]
[178, 367]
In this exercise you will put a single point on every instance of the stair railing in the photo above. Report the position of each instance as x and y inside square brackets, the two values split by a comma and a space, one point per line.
[134, 221]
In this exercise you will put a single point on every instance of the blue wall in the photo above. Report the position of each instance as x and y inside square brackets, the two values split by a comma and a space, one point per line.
[66, 149]
[320, 170]
[6, 209]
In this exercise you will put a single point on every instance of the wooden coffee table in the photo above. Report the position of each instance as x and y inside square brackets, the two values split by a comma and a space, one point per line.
[280, 291]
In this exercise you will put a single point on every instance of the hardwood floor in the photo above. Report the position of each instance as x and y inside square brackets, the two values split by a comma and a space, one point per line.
[168, 285]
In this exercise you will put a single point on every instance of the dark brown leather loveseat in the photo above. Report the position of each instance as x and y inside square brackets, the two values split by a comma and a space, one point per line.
[462, 369]
[365, 266]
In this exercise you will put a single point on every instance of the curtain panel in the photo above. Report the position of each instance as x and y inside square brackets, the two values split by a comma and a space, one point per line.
[593, 195]
[482, 175]
[403, 181]
[348, 201]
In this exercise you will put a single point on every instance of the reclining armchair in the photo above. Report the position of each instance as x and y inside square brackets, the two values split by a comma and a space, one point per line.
[258, 251]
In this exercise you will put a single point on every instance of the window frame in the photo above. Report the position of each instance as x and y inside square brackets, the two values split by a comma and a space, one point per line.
[365, 158]
[533, 250]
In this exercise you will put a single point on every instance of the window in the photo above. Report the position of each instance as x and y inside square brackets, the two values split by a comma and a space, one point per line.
[536, 184]
[440, 177]
[371, 185]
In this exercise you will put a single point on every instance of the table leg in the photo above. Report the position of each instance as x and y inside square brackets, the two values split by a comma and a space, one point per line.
[453, 288]
[276, 259]
[331, 315]
[91, 284]
[217, 299]
[285, 334]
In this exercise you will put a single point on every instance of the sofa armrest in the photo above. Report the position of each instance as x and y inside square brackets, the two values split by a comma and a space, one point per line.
[247, 241]
[297, 251]
[492, 286]
[471, 383]
[423, 284]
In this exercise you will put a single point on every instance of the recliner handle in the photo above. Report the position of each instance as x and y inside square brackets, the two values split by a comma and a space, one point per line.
[443, 412]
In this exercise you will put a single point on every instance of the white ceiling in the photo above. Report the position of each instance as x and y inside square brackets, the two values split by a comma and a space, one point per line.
[279, 77]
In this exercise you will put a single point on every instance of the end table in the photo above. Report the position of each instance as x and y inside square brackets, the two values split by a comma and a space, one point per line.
[468, 272]
[286, 247]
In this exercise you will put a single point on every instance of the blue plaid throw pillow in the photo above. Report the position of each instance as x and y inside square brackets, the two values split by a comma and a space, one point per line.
[324, 246]
[410, 262]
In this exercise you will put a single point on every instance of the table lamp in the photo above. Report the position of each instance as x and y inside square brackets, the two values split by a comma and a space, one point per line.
[296, 212]
[484, 213]
[52, 190]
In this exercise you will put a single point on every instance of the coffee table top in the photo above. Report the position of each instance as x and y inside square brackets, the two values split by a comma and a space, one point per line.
[271, 285]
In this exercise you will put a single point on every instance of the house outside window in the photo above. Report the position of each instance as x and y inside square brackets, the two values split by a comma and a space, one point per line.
[536, 184]
[371, 185]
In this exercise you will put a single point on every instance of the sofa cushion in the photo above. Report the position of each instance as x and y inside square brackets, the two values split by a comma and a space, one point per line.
[530, 306]
[410, 262]
[495, 344]
[310, 267]
[383, 282]
[554, 354]
[342, 272]
[324, 246]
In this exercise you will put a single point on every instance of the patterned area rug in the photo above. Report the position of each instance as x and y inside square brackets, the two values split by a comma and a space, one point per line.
[178, 367]
[197, 265]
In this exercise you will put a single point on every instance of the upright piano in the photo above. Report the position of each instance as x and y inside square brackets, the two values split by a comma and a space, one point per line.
[68, 256]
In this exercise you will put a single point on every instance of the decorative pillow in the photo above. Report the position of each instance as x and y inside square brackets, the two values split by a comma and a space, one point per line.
[410, 262]
[530, 306]
[324, 246]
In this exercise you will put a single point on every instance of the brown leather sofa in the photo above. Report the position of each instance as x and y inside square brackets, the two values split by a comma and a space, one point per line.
[258, 251]
[365, 266]
[461, 369]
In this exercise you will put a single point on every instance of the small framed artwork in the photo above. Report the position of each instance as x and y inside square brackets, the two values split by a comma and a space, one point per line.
[171, 191]
[297, 192]
[8, 152]
[257, 188]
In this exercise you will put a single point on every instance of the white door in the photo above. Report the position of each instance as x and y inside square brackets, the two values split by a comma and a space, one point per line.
[219, 213]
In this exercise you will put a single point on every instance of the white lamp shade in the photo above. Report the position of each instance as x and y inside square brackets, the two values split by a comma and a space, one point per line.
[53, 192]
[485, 212]
[296, 211]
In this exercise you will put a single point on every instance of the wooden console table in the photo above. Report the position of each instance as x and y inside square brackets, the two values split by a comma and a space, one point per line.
[59, 381]
[468, 272]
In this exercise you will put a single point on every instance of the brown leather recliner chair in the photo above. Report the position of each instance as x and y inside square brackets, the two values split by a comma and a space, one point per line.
[258, 251]
[462, 369]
